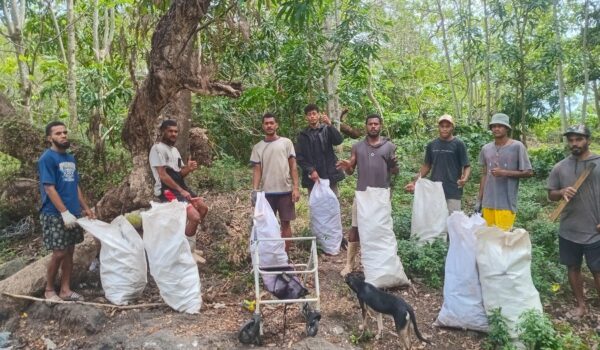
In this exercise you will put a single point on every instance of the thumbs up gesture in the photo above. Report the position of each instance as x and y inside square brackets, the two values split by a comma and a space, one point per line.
[192, 164]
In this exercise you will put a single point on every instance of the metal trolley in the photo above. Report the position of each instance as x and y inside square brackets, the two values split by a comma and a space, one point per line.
[252, 331]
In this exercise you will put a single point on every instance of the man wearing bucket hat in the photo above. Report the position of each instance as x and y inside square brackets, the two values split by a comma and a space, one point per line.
[446, 157]
[503, 162]
[579, 231]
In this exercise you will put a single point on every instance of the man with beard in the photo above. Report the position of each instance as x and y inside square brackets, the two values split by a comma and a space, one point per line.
[62, 204]
[275, 173]
[579, 231]
[503, 163]
[169, 172]
[448, 161]
[375, 158]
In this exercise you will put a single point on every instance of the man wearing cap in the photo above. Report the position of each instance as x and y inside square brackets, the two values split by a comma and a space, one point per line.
[503, 163]
[579, 231]
[446, 157]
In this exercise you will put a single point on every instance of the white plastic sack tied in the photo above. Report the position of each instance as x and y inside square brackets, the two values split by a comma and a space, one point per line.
[325, 219]
[170, 257]
[123, 269]
[429, 212]
[504, 262]
[463, 302]
[265, 225]
[379, 248]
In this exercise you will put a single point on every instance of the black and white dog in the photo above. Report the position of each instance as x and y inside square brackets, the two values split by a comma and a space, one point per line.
[385, 303]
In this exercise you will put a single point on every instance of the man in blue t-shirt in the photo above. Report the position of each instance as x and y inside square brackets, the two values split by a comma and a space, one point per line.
[62, 204]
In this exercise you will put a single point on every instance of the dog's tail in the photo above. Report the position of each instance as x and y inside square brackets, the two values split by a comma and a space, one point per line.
[414, 322]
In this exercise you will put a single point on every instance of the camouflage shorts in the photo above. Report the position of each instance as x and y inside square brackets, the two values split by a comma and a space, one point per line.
[56, 235]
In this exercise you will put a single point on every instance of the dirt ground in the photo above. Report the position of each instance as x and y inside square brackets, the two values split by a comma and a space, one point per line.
[226, 281]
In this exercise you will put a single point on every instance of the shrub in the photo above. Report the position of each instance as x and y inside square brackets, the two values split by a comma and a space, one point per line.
[536, 331]
[424, 261]
[498, 335]
[544, 158]
[225, 175]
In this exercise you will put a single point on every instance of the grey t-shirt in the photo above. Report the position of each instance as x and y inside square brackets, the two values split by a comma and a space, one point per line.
[581, 215]
[371, 163]
[500, 192]
[447, 159]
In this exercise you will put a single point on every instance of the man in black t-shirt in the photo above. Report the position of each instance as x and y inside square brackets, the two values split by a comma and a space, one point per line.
[446, 157]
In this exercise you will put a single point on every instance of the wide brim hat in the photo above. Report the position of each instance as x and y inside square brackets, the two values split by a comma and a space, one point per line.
[501, 119]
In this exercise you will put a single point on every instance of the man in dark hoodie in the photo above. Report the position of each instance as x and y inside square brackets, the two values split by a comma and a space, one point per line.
[314, 151]
[579, 231]
[375, 158]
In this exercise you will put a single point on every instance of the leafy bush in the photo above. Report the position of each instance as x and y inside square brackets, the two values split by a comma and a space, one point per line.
[8, 166]
[424, 261]
[475, 136]
[536, 331]
[544, 158]
[225, 175]
[498, 335]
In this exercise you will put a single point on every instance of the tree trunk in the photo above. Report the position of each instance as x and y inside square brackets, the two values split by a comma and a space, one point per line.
[488, 92]
[448, 62]
[596, 98]
[332, 69]
[71, 66]
[63, 54]
[585, 53]
[559, 70]
[179, 109]
[14, 19]
[171, 70]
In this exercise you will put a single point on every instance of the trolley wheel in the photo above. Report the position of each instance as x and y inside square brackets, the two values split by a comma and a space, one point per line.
[312, 322]
[250, 332]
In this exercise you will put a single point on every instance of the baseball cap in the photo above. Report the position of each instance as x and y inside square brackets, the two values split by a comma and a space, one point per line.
[579, 129]
[500, 118]
[446, 117]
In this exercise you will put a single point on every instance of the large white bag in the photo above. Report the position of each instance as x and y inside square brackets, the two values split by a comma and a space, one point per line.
[463, 302]
[265, 225]
[123, 269]
[170, 257]
[504, 262]
[325, 219]
[430, 211]
[379, 248]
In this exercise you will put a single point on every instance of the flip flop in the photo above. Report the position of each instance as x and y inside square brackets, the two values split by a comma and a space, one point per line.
[53, 297]
[74, 296]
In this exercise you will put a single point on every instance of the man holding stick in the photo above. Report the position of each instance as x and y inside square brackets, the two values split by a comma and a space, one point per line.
[579, 231]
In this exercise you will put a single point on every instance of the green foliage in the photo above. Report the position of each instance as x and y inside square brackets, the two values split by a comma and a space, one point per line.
[544, 158]
[536, 331]
[424, 261]
[475, 136]
[225, 175]
[8, 166]
[498, 335]
[363, 337]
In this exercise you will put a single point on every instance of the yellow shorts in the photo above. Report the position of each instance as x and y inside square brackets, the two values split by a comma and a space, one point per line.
[502, 218]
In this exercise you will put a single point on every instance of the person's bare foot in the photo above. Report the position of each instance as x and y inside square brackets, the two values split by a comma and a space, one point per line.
[578, 312]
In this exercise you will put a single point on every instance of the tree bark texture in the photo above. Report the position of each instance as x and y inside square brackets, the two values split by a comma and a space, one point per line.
[71, 66]
[559, 70]
[448, 62]
[585, 54]
[171, 70]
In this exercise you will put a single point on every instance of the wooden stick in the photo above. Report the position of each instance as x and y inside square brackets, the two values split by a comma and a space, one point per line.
[120, 307]
[556, 213]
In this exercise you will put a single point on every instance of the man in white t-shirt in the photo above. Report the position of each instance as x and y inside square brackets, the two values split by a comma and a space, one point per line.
[275, 173]
[169, 172]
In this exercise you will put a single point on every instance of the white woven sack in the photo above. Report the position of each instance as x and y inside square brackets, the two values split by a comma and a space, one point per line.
[265, 225]
[123, 269]
[325, 218]
[504, 263]
[170, 257]
[379, 248]
[463, 302]
[429, 211]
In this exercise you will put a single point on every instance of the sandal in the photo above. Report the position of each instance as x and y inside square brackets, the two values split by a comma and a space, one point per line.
[74, 296]
[52, 297]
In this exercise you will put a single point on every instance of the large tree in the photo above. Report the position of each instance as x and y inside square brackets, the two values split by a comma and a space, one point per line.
[173, 67]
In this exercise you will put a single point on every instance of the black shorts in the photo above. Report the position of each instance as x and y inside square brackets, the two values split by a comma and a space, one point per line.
[283, 204]
[571, 254]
